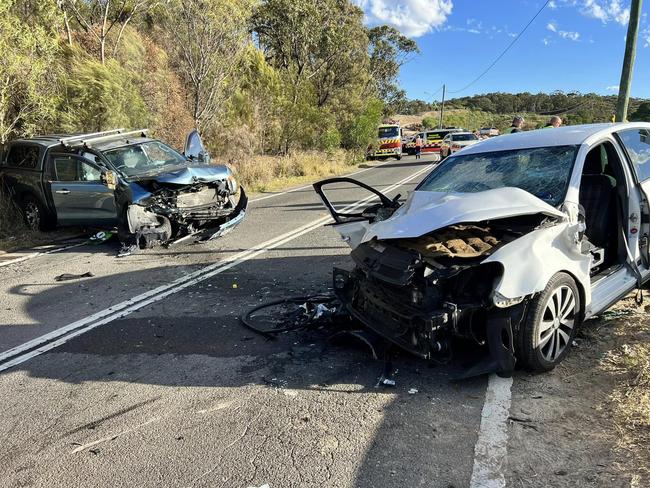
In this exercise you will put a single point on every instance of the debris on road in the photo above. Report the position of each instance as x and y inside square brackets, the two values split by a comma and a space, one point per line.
[70, 276]
[413, 391]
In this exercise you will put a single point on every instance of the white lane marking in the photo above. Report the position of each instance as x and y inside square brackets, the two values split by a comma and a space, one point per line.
[39, 253]
[492, 446]
[47, 341]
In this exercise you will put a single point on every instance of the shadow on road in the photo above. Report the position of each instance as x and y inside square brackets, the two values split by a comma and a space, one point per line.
[194, 339]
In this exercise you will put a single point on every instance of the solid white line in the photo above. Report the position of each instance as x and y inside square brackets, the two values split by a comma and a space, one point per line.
[48, 342]
[492, 446]
[36, 254]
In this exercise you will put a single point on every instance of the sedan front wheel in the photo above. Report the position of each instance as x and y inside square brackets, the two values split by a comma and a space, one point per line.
[550, 326]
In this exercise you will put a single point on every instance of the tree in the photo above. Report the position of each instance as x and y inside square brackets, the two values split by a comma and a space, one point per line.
[99, 17]
[642, 114]
[388, 51]
[27, 74]
[429, 123]
[209, 39]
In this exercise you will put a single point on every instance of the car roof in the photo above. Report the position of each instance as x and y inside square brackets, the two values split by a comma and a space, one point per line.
[572, 135]
[463, 133]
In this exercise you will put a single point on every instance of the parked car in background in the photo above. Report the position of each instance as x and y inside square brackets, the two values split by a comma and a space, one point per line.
[510, 244]
[148, 190]
[489, 131]
[456, 141]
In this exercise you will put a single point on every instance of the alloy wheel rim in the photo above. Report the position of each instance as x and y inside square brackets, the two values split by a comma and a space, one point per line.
[558, 320]
[32, 215]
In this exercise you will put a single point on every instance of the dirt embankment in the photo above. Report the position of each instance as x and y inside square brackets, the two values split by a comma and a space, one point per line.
[587, 423]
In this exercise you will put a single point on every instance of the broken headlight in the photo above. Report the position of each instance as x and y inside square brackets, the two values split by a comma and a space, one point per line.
[505, 302]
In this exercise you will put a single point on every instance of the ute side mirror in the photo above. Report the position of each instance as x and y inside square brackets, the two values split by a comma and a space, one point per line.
[109, 179]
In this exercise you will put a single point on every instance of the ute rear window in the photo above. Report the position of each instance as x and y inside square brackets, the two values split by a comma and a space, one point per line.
[23, 156]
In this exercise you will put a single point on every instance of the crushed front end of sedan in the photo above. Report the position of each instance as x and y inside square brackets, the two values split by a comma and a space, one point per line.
[468, 256]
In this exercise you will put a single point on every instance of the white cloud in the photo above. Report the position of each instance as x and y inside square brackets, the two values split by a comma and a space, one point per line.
[546, 41]
[612, 88]
[552, 5]
[413, 18]
[606, 11]
[572, 36]
[552, 26]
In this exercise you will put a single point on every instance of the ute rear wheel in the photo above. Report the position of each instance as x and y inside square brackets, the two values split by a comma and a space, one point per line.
[34, 214]
[550, 325]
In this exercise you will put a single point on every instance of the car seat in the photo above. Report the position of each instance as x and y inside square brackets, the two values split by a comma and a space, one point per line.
[598, 198]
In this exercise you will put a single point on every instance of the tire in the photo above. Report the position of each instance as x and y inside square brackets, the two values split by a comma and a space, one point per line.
[545, 337]
[34, 214]
[399, 158]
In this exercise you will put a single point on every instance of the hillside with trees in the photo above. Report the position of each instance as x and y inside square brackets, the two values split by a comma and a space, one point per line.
[574, 108]
[257, 78]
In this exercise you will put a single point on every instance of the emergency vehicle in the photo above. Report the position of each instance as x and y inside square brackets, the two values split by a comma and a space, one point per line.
[431, 140]
[389, 142]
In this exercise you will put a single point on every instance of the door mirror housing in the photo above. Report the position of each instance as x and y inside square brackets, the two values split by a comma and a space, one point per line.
[109, 179]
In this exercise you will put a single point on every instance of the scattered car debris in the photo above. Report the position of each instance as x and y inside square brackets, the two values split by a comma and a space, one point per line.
[70, 276]
[413, 391]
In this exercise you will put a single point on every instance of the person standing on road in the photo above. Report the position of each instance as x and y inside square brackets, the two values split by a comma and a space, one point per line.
[554, 122]
[517, 125]
[418, 146]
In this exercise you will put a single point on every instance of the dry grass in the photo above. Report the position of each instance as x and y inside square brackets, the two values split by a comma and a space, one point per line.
[12, 230]
[630, 362]
[268, 173]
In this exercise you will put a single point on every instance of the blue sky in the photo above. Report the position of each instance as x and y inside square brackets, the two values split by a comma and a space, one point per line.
[574, 45]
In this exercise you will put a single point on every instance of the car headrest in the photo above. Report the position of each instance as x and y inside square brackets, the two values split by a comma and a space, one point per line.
[595, 162]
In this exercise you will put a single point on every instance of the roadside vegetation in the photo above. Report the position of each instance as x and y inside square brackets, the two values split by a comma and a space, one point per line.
[629, 361]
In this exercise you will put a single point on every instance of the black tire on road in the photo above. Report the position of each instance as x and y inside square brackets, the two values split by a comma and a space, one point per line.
[550, 325]
[34, 214]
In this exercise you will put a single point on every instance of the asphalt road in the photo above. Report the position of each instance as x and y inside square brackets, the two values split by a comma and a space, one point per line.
[170, 390]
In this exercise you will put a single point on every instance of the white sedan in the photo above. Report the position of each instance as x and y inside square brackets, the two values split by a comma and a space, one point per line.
[455, 142]
[510, 244]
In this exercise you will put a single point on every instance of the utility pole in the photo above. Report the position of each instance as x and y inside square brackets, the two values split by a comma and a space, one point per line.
[628, 61]
[442, 109]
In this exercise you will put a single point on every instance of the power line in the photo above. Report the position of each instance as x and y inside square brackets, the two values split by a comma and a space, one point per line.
[516, 38]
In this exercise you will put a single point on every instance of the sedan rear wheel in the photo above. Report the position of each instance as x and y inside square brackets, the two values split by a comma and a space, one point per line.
[550, 325]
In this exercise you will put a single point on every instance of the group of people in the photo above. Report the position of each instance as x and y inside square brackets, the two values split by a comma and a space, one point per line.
[519, 122]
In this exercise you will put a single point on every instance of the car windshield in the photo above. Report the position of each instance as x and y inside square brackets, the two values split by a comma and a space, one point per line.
[388, 132]
[146, 158]
[464, 137]
[542, 171]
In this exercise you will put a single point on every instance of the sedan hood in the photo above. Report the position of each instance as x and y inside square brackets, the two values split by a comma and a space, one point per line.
[189, 175]
[425, 211]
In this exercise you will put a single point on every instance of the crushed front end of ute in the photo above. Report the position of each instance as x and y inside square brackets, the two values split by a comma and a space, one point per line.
[168, 212]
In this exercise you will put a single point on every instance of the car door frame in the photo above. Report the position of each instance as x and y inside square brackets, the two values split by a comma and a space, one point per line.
[102, 213]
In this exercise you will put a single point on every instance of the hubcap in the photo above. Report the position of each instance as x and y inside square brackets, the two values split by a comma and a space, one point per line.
[557, 323]
[32, 216]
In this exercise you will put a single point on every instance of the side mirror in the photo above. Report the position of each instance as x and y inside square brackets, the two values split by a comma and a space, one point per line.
[109, 179]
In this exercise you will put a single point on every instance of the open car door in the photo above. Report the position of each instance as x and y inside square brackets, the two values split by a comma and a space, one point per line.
[351, 220]
[194, 148]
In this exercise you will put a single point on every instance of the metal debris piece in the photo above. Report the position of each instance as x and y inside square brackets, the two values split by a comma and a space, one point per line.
[70, 276]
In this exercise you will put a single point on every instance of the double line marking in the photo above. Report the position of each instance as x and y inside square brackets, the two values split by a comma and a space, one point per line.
[51, 340]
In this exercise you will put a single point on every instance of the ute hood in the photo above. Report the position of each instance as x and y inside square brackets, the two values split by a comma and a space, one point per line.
[425, 211]
[189, 175]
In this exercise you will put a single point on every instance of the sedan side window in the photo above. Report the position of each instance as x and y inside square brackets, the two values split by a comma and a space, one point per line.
[68, 168]
[637, 145]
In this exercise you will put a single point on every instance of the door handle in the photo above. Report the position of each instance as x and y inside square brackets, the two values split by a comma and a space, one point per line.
[62, 192]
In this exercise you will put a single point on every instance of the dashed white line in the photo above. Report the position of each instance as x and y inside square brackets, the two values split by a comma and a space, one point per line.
[46, 342]
[491, 448]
